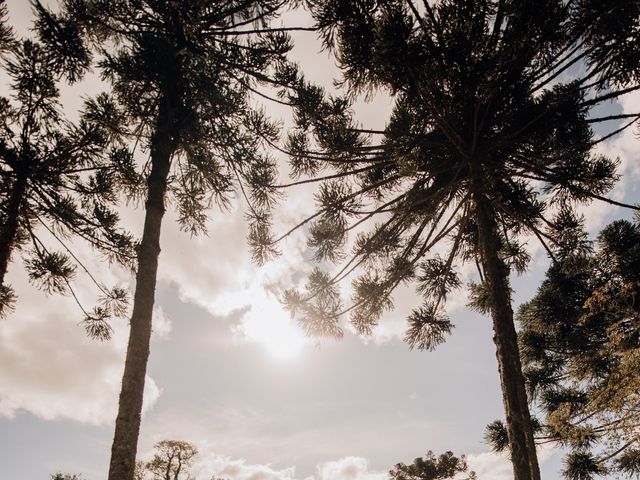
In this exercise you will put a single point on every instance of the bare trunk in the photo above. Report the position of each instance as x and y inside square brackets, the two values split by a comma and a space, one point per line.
[523, 455]
[10, 228]
[518, 419]
[125, 441]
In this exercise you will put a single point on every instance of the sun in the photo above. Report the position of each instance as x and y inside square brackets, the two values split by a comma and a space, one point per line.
[268, 324]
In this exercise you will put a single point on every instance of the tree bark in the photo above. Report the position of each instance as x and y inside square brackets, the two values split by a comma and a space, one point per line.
[10, 228]
[518, 419]
[125, 441]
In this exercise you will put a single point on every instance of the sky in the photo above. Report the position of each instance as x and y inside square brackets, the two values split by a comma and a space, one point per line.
[230, 372]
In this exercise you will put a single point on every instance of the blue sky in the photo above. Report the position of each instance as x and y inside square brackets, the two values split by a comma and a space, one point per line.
[230, 372]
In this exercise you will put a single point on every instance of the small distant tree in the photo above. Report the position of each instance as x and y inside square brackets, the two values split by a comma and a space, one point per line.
[171, 460]
[432, 467]
[580, 345]
[65, 476]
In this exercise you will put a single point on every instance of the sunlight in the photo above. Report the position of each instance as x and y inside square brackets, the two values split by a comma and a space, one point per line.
[268, 324]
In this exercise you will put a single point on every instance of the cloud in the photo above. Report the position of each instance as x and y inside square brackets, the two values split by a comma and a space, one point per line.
[493, 466]
[348, 468]
[162, 325]
[623, 147]
[219, 466]
[215, 271]
[49, 367]
[211, 465]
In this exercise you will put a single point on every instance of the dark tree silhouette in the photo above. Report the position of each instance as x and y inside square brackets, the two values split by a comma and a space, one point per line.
[65, 476]
[442, 467]
[489, 135]
[56, 178]
[579, 343]
[181, 73]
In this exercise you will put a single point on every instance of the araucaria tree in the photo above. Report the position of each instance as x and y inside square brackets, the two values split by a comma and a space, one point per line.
[181, 73]
[57, 181]
[489, 135]
[444, 466]
[580, 346]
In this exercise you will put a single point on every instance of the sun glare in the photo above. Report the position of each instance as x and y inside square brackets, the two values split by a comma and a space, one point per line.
[268, 324]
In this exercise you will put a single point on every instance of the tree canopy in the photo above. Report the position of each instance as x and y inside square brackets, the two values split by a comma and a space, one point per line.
[489, 145]
[171, 460]
[181, 74]
[580, 344]
[57, 182]
[65, 476]
[432, 467]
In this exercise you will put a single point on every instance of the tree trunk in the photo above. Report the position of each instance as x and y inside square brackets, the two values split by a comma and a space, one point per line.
[125, 441]
[10, 228]
[518, 419]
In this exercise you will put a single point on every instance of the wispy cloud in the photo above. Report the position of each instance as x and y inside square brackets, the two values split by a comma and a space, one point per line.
[50, 368]
[212, 465]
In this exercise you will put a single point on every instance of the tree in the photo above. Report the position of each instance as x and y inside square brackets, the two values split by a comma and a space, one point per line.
[181, 74]
[56, 179]
[484, 143]
[442, 467]
[581, 354]
[65, 476]
[171, 460]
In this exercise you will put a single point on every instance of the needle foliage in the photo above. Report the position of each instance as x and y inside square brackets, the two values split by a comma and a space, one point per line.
[580, 344]
[57, 182]
[181, 75]
[489, 146]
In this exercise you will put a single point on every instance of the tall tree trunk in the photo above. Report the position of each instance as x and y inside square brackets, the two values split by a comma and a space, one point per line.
[125, 441]
[518, 419]
[10, 228]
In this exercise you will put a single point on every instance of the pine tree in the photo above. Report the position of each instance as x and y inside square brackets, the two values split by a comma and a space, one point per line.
[181, 74]
[56, 179]
[484, 143]
[444, 466]
[580, 344]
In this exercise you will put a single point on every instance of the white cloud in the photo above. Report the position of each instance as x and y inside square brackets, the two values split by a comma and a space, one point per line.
[216, 272]
[348, 468]
[211, 465]
[623, 146]
[493, 466]
[219, 466]
[162, 324]
[48, 366]
[490, 466]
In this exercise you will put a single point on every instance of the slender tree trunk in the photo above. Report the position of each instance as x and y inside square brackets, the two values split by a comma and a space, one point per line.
[518, 419]
[10, 228]
[125, 441]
